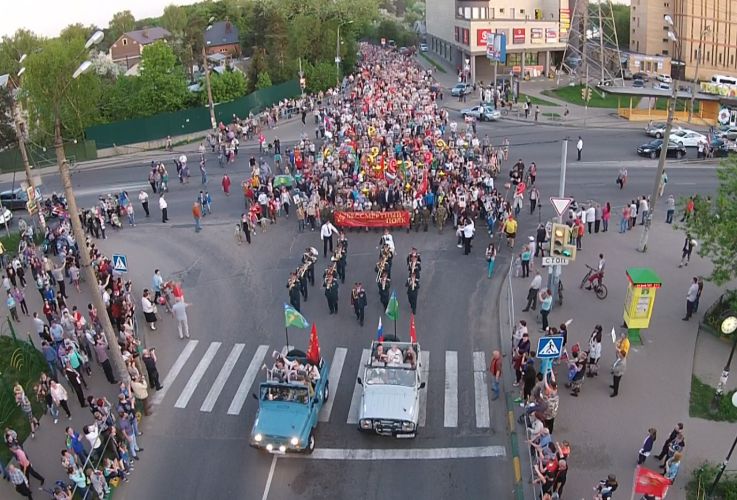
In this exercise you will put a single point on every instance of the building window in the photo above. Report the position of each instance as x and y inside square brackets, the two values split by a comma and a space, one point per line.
[731, 59]
[501, 11]
[665, 52]
[665, 40]
[125, 41]
[720, 59]
[522, 11]
[467, 12]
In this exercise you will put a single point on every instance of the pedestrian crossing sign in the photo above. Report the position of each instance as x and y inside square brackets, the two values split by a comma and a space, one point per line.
[549, 347]
[120, 263]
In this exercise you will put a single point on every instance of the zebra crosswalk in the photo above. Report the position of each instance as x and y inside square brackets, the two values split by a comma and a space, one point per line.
[225, 365]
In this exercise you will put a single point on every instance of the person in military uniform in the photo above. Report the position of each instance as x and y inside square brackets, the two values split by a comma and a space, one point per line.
[358, 300]
[441, 215]
[302, 277]
[425, 218]
[293, 285]
[384, 285]
[416, 219]
[331, 292]
[413, 286]
[309, 257]
[414, 263]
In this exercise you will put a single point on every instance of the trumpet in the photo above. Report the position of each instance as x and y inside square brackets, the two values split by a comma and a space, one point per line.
[380, 266]
[293, 281]
[301, 270]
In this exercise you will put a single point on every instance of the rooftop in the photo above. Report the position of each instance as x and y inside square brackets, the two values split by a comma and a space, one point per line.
[148, 35]
[653, 92]
[222, 33]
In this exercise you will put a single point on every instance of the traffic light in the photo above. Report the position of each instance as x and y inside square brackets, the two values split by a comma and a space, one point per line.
[560, 242]
[302, 83]
[585, 94]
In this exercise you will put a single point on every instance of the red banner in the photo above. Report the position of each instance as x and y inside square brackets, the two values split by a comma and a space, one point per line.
[397, 218]
[649, 482]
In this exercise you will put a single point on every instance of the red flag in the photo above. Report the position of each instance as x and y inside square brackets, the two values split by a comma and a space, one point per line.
[412, 332]
[423, 185]
[313, 351]
[648, 482]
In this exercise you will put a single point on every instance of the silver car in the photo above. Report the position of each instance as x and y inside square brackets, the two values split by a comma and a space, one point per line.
[482, 113]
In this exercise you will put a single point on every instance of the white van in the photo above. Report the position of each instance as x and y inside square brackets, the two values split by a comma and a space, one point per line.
[727, 80]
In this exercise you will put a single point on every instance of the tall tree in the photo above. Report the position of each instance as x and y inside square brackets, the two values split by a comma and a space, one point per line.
[7, 126]
[714, 224]
[121, 22]
[228, 86]
[174, 19]
[13, 47]
[162, 84]
[622, 24]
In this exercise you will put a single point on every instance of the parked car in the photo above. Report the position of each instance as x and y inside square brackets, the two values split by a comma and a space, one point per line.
[641, 76]
[729, 133]
[5, 216]
[482, 113]
[461, 89]
[664, 78]
[625, 74]
[638, 84]
[14, 199]
[657, 129]
[423, 47]
[652, 149]
[661, 85]
[687, 138]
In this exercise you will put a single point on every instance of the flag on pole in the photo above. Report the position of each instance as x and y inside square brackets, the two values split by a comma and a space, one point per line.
[648, 482]
[392, 309]
[424, 185]
[412, 332]
[292, 317]
[313, 351]
[380, 332]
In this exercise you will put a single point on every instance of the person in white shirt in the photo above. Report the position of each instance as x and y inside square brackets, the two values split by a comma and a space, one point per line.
[590, 214]
[691, 298]
[579, 147]
[143, 198]
[644, 209]
[394, 356]
[149, 312]
[163, 206]
[180, 313]
[326, 235]
[467, 231]
[387, 239]
[535, 285]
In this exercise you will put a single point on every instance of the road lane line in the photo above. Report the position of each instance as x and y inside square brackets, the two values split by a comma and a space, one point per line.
[480, 389]
[269, 478]
[424, 374]
[450, 418]
[357, 390]
[336, 368]
[174, 371]
[403, 453]
[197, 375]
[222, 377]
[240, 397]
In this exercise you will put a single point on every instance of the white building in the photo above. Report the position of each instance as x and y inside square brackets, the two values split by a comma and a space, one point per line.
[536, 34]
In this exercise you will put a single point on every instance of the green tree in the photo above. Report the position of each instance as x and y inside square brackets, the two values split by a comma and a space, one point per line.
[714, 224]
[174, 19]
[118, 96]
[622, 24]
[320, 76]
[263, 81]
[7, 125]
[121, 22]
[13, 47]
[49, 88]
[162, 84]
[228, 86]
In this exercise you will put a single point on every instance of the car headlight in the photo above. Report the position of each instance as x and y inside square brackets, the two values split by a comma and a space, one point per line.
[408, 426]
[365, 424]
[269, 447]
[282, 448]
[294, 441]
[258, 438]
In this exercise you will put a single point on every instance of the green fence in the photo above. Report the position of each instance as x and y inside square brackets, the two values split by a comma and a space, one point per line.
[39, 156]
[186, 121]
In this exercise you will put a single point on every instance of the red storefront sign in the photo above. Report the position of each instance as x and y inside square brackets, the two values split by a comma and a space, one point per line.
[518, 35]
[466, 36]
[396, 218]
[481, 36]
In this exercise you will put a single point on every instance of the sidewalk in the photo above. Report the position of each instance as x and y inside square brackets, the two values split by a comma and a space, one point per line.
[605, 433]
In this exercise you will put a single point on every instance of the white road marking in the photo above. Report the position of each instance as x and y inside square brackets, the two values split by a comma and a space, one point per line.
[480, 390]
[197, 375]
[424, 374]
[357, 390]
[222, 377]
[240, 397]
[111, 189]
[269, 478]
[336, 368]
[403, 453]
[174, 371]
[450, 418]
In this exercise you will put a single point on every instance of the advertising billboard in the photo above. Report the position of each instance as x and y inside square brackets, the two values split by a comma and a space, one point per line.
[518, 35]
[496, 47]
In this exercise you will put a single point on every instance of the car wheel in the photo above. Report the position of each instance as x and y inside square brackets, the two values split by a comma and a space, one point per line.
[653, 155]
[680, 143]
[680, 155]
[326, 392]
[310, 443]
[658, 135]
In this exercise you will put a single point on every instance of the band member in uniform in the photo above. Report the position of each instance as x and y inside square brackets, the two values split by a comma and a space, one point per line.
[358, 300]
[414, 262]
[331, 292]
[302, 277]
[294, 290]
[310, 256]
[413, 286]
[384, 285]
[342, 251]
[343, 244]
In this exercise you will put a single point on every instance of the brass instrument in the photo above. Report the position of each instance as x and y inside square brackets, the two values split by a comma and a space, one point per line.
[412, 282]
[380, 266]
[302, 269]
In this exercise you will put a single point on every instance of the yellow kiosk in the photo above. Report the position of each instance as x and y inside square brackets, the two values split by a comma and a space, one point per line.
[642, 285]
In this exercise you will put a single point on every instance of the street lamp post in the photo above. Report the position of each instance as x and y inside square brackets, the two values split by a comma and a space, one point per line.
[642, 247]
[337, 54]
[727, 326]
[704, 32]
[723, 465]
[78, 231]
[210, 103]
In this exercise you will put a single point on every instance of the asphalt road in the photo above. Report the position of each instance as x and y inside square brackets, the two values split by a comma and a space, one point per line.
[193, 450]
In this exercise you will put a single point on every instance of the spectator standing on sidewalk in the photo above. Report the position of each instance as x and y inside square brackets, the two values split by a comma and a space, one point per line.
[546, 303]
[180, 313]
[533, 291]
[618, 368]
[691, 298]
[647, 446]
[140, 391]
[496, 374]
[59, 395]
[670, 209]
[678, 429]
[101, 348]
[688, 245]
[20, 481]
[149, 360]
[25, 464]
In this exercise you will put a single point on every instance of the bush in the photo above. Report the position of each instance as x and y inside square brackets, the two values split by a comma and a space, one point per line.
[702, 479]
[714, 315]
[19, 362]
[699, 405]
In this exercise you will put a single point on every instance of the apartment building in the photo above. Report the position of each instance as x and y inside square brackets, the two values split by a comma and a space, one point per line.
[707, 31]
[536, 34]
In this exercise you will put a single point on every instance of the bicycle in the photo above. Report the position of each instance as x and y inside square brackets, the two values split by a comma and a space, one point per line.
[597, 286]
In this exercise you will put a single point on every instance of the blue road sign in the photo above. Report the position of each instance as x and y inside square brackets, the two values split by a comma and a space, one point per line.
[549, 347]
[120, 263]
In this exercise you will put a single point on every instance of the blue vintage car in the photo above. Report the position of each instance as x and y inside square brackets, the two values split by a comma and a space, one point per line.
[289, 403]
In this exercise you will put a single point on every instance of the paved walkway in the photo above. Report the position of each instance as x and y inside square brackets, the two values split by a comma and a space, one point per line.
[605, 432]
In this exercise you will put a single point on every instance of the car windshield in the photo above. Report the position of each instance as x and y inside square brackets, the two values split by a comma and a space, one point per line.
[285, 393]
[392, 375]
[656, 143]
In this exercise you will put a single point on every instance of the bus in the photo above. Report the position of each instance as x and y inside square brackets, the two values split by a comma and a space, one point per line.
[726, 80]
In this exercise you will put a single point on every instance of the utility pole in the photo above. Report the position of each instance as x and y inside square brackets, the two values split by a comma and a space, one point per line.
[20, 132]
[84, 257]
[213, 122]
[301, 78]
[337, 60]
[554, 272]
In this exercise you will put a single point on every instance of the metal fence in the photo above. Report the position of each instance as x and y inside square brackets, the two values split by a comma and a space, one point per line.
[41, 156]
[187, 121]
